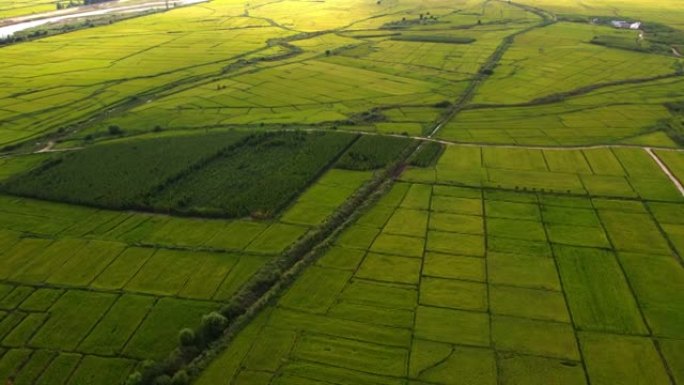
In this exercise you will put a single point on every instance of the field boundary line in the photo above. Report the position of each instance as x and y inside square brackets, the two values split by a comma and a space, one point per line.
[571, 317]
[630, 286]
[581, 91]
[419, 138]
[487, 67]
[665, 169]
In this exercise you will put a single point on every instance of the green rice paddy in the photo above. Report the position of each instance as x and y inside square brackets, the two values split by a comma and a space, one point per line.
[345, 193]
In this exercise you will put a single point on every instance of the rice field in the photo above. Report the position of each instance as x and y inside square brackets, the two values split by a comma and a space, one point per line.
[88, 295]
[559, 58]
[344, 192]
[624, 173]
[12, 8]
[437, 282]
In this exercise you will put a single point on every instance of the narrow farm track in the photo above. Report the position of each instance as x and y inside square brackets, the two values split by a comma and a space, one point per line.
[666, 170]
[488, 66]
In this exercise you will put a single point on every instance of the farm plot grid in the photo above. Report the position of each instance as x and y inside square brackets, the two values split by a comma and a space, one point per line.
[618, 172]
[438, 284]
[86, 295]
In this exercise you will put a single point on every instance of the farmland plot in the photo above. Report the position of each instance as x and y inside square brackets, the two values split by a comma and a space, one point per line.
[109, 290]
[480, 265]
[617, 172]
[558, 124]
[559, 58]
[437, 282]
[75, 75]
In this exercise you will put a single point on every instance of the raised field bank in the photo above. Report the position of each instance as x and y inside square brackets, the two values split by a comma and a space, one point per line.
[342, 192]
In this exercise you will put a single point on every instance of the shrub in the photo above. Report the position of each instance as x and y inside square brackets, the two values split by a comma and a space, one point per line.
[212, 325]
[186, 337]
[180, 378]
[162, 380]
[134, 379]
[232, 310]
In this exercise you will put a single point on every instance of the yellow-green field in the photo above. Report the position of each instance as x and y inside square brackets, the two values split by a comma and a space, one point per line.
[345, 192]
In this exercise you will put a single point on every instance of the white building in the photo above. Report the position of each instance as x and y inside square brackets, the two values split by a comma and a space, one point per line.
[625, 24]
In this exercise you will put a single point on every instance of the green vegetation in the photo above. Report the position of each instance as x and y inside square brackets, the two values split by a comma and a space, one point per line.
[121, 175]
[478, 192]
[217, 175]
[560, 277]
[140, 278]
[427, 154]
[372, 152]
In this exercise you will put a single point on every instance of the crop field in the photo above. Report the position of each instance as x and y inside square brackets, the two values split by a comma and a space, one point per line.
[344, 192]
[219, 78]
[436, 283]
[558, 59]
[602, 172]
[67, 70]
[86, 295]
[11, 8]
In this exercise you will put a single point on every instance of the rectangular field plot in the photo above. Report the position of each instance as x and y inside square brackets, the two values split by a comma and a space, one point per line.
[322, 198]
[607, 357]
[598, 293]
[619, 172]
[189, 184]
[584, 121]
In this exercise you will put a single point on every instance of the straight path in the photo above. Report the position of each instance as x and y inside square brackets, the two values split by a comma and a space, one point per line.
[666, 170]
